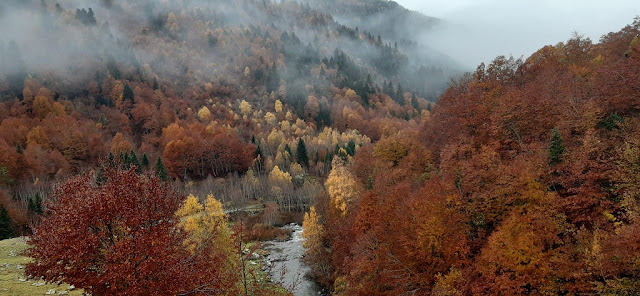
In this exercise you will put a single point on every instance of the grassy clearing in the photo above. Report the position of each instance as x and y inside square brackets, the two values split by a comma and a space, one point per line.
[12, 278]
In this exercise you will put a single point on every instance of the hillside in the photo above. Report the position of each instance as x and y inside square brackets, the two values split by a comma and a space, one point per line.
[202, 88]
[523, 181]
[136, 135]
[381, 17]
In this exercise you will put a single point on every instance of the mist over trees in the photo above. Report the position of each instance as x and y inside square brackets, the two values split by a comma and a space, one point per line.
[135, 129]
[207, 93]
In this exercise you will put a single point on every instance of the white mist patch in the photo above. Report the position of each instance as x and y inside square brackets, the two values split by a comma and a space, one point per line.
[478, 31]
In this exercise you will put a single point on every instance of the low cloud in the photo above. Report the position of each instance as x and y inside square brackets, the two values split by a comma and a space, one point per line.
[478, 31]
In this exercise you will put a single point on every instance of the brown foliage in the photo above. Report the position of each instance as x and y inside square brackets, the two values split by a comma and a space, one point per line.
[119, 238]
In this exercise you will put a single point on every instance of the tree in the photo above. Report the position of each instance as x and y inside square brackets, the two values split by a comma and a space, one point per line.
[271, 213]
[120, 238]
[316, 254]
[207, 231]
[204, 113]
[288, 149]
[35, 204]
[127, 93]
[5, 178]
[341, 186]
[145, 161]
[133, 160]
[6, 227]
[245, 107]
[120, 145]
[278, 106]
[280, 183]
[302, 154]
[161, 171]
[351, 147]
[399, 97]
[556, 147]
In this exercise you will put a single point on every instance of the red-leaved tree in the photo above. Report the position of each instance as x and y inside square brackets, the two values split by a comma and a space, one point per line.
[121, 238]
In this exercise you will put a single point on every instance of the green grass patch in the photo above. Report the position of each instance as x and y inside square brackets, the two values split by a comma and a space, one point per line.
[12, 278]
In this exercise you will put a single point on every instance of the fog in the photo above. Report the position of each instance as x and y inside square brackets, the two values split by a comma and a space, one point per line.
[479, 30]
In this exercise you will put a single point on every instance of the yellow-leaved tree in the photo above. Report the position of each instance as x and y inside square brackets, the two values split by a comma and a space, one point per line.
[204, 113]
[316, 255]
[278, 106]
[270, 118]
[313, 233]
[245, 107]
[341, 186]
[208, 231]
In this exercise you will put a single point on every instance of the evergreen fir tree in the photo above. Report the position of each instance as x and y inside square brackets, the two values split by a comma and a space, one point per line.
[328, 157]
[35, 204]
[127, 93]
[103, 121]
[399, 97]
[414, 102]
[111, 159]
[161, 172]
[288, 149]
[6, 229]
[351, 148]
[556, 147]
[302, 154]
[145, 161]
[133, 160]
[125, 161]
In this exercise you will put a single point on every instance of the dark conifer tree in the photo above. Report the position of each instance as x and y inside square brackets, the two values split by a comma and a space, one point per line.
[161, 171]
[133, 159]
[556, 147]
[6, 228]
[302, 154]
[145, 161]
[127, 93]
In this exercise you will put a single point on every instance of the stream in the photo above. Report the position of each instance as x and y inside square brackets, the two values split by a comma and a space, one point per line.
[285, 266]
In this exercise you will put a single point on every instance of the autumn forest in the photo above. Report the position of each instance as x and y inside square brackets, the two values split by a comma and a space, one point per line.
[157, 148]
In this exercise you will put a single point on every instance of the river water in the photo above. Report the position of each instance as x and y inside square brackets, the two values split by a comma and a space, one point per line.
[284, 264]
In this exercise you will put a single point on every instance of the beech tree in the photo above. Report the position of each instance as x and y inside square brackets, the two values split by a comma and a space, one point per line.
[119, 238]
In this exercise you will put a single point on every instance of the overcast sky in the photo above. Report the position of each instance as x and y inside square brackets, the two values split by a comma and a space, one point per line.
[519, 27]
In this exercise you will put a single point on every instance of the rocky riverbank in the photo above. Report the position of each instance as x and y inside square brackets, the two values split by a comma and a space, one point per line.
[284, 264]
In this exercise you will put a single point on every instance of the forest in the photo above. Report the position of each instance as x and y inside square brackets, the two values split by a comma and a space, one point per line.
[147, 146]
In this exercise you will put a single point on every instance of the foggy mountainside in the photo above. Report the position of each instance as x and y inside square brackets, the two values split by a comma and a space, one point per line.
[174, 147]
[385, 18]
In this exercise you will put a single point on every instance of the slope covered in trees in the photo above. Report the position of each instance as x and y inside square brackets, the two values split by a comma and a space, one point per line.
[522, 181]
[213, 91]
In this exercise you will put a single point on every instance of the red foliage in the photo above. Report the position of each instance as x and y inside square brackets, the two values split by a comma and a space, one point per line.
[119, 239]
[198, 152]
